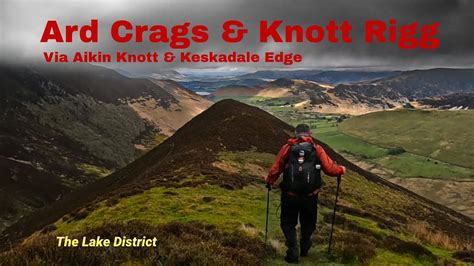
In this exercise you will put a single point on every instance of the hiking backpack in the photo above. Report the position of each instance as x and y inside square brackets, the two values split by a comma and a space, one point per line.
[302, 174]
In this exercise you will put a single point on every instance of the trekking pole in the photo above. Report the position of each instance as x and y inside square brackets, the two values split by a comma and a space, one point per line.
[334, 214]
[268, 206]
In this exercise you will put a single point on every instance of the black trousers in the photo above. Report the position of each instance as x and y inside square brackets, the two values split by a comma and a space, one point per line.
[304, 207]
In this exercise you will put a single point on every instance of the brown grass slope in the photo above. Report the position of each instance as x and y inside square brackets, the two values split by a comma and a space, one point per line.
[226, 126]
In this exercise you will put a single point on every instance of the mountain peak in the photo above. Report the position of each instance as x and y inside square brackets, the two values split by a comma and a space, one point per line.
[234, 126]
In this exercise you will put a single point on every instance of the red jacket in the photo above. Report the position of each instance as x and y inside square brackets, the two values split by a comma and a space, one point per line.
[329, 167]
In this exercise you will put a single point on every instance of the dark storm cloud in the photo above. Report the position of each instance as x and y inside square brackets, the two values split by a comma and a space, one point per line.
[23, 22]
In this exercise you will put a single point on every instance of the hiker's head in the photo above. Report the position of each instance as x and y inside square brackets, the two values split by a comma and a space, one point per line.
[302, 130]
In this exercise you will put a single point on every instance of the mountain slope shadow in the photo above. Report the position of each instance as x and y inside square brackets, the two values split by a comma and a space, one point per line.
[227, 125]
[65, 125]
[230, 126]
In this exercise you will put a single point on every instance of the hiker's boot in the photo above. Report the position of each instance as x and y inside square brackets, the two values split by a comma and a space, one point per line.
[292, 253]
[291, 243]
[305, 245]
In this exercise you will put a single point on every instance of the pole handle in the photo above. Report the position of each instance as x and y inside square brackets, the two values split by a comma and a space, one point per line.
[268, 186]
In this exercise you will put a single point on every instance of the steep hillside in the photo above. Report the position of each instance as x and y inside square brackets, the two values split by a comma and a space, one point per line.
[201, 193]
[431, 82]
[188, 104]
[64, 126]
[451, 101]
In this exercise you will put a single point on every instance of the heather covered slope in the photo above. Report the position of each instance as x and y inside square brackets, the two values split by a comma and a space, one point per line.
[204, 182]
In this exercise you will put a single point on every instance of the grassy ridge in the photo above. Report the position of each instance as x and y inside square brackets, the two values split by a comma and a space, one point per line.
[243, 210]
[378, 222]
[440, 135]
[226, 209]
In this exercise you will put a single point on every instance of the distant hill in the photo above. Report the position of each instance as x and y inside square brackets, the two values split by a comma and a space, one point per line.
[158, 74]
[167, 74]
[414, 84]
[201, 193]
[328, 77]
[235, 91]
[430, 88]
[282, 88]
[211, 85]
[62, 126]
[455, 100]
[276, 74]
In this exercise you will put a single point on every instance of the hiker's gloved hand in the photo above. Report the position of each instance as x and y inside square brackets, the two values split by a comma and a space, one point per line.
[268, 186]
[343, 169]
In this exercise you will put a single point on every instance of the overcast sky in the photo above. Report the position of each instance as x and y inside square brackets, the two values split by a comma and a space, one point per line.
[22, 23]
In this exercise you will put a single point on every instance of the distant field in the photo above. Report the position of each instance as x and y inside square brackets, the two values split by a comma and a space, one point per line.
[404, 165]
[442, 135]
[407, 164]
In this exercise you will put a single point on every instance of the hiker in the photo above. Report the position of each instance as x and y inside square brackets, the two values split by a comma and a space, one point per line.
[301, 161]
